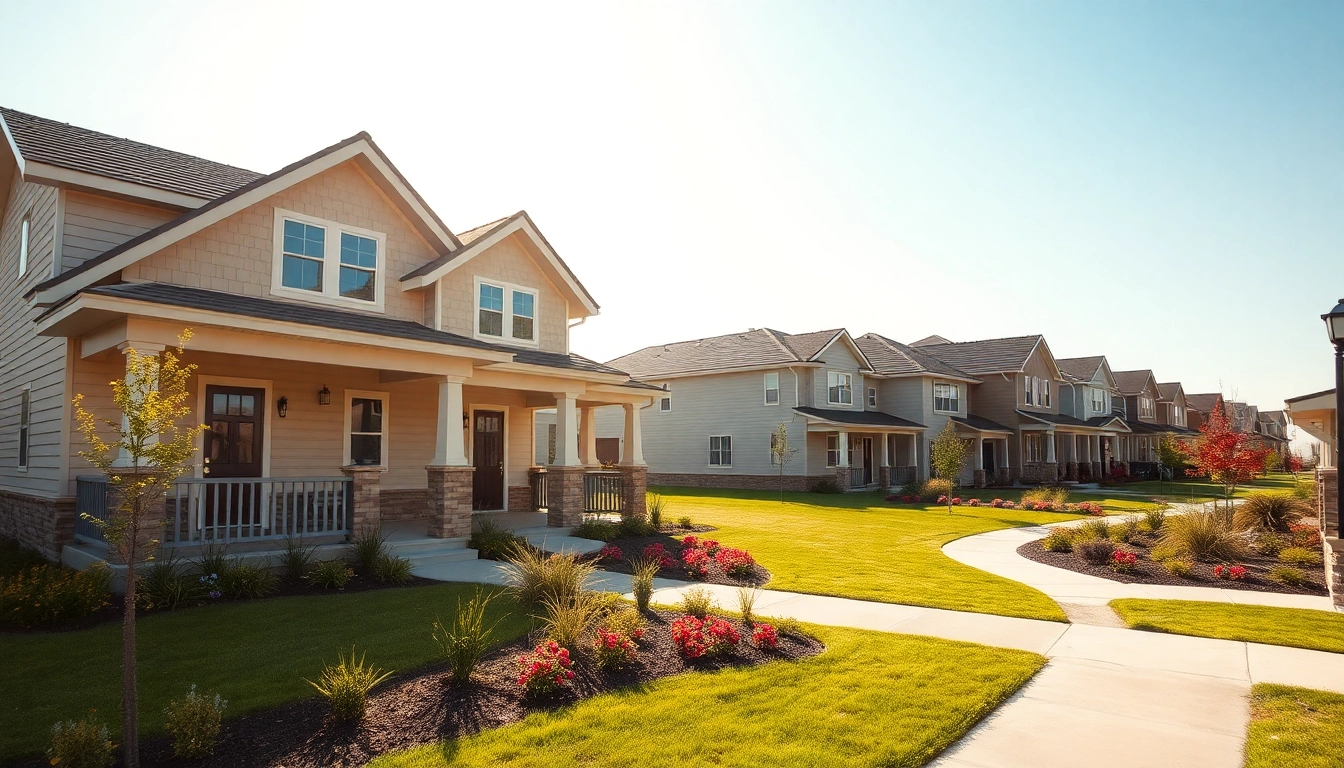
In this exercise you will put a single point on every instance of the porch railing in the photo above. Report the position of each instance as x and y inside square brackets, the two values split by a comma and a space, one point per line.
[235, 509]
[856, 478]
[903, 475]
[602, 492]
[90, 499]
[537, 479]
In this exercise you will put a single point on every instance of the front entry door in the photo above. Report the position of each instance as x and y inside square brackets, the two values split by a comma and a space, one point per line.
[987, 457]
[487, 443]
[867, 461]
[232, 448]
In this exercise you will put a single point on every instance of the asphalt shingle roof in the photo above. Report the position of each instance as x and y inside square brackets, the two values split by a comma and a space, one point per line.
[79, 149]
[1168, 391]
[1080, 368]
[760, 346]
[1202, 402]
[1065, 420]
[894, 358]
[987, 356]
[980, 423]
[1131, 382]
[860, 418]
[927, 340]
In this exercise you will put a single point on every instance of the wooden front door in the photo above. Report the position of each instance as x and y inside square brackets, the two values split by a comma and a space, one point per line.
[487, 452]
[233, 448]
[867, 461]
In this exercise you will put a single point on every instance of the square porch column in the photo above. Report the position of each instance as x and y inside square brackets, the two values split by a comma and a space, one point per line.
[448, 477]
[916, 460]
[884, 464]
[634, 473]
[564, 478]
[978, 474]
[632, 447]
[588, 436]
[1050, 471]
[140, 349]
[566, 431]
[1071, 463]
[842, 460]
[1095, 441]
[365, 503]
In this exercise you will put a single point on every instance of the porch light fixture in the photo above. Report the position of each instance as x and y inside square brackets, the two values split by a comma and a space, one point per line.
[1334, 326]
[282, 406]
[324, 396]
[466, 420]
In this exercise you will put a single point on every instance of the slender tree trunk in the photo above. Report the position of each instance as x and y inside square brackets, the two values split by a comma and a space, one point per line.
[130, 707]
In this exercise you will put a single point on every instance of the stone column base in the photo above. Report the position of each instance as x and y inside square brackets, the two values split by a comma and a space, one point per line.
[1098, 472]
[842, 478]
[884, 477]
[1071, 470]
[1327, 500]
[564, 496]
[449, 501]
[978, 478]
[634, 491]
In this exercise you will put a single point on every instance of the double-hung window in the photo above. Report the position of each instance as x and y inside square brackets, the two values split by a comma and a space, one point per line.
[1045, 392]
[872, 397]
[832, 450]
[25, 417]
[366, 437]
[1035, 447]
[839, 388]
[1146, 407]
[23, 247]
[506, 312]
[327, 262]
[720, 451]
[1178, 416]
[1026, 380]
[1098, 400]
[772, 389]
[947, 398]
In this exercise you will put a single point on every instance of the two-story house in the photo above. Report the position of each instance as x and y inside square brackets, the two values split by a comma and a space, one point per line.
[1272, 426]
[1094, 437]
[1199, 407]
[357, 361]
[1150, 418]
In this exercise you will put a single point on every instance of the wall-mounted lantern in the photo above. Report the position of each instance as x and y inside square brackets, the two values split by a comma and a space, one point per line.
[324, 396]
[282, 406]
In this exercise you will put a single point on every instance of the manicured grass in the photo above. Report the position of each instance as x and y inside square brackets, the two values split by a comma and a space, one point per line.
[872, 699]
[1295, 727]
[1296, 627]
[1195, 489]
[857, 545]
[254, 654]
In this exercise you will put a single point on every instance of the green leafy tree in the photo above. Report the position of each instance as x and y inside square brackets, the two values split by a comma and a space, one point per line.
[1171, 454]
[781, 453]
[948, 454]
[146, 454]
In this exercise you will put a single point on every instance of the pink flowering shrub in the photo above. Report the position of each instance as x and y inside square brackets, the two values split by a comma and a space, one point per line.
[656, 552]
[1230, 572]
[611, 552]
[545, 670]
[972, 502]
[690, 542]
[764, 636]
[997, 503]
[734, 562]
[613, 649]
[1123, 561]
[704, 638]
[696, 562]
[956, 501]
[942, 500]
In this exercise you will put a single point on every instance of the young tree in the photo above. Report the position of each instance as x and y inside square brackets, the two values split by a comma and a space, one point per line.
[1224, 455]
[1293, 465]
[781, 453]
[948, 454]
[146, 455]
[1171, 453]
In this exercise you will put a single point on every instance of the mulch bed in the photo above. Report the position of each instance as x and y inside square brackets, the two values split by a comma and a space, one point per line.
[632, 547]
[423, 707]
[1148, 572]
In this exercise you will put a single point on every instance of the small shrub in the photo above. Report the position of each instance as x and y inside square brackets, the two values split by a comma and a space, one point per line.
[746, 604]
[933, 488]
[1125, 532]
[1155, 516]
[493, 541]
[697, 601]
[1305, 535]
[764, 636]
[1285, 574]
[164, 586]
[612, 649]
[1304, 491]
[910, 488]
[1269, 512]
[296, 558]
[1270, 544]
[537, 577]
[466, 641]
[597, 530]
[1203, 535]
[1058, 540]
[568, 620]
[214, 561]
[1095, 551]
[1123, 561]
[1230, 572]
[366, 547]
[390, 569]
[1091, 529]
[346, 685]
[643, 569]
[658, 554]
[50, 594]
[1300, 556]
[657, 507]
[684, 522]
[545, 670]
[330, 574]
[706, 637]
[194, 720]
[246, 581]
[625, 620]
[80, 744]
[1049, 495]
[696, 562]
[824, 485]
[1181, 567]
[633, 528]
[611, 553]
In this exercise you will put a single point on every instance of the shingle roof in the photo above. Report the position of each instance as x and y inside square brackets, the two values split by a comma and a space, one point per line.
[1202, 402]
[756, 347]
[980, 423]
[1065, 420]
[79, 149]
[1080, 368]
[894, 358]
[477, 232]
[1149, 428]
[986, 356]
[927, 340]
[1168, 391]
[860, 418]
[1131, 382]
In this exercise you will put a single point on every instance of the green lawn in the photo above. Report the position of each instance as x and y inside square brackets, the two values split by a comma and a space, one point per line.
[255, 654]
[1295, 727]
[872, 699]
[1296, 627]
[857, 545]
[1196, 489]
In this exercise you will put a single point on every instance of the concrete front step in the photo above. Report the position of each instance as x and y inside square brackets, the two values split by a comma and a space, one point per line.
[416, 547]
[558, 540]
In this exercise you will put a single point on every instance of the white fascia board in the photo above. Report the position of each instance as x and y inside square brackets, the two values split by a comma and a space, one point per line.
[69, 178]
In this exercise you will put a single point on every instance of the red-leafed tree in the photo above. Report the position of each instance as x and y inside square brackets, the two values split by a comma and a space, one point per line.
[1224, 455]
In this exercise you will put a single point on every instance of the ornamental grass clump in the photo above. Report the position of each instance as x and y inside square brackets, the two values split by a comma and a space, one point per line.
[330, 574]
[295, 558]
[1058, 540]
[746, 604]
[597, 530]
[1300, 556]
[466, 640]
[367, 546]
[1126, 531]
[643, 571]
[164, 586]
[697, 601]
[1204, 536]
[246, 581]
[568, 620]
[657, 507]
[1154, 516]
[493, 541]
[545, 670]
[194, 721]
[346, 685]
[80, 744]
[538, 577]
[1270, 512]
[390, 569]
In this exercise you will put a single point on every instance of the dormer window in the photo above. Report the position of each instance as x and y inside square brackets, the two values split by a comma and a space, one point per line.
[1098, 400]
[506, 312]
[327, 262]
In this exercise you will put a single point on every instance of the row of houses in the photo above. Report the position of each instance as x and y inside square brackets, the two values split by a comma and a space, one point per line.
[864, 410]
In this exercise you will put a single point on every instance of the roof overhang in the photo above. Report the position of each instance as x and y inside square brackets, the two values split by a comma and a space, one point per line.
[717, 371]
[814, 420]
[843, 336]
[11, 163]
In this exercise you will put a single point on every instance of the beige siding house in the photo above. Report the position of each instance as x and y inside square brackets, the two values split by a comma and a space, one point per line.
[346, 340]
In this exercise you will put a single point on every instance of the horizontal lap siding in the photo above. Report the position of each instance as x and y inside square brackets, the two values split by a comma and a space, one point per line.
[96, 224]
[27, 358]
[509, 262]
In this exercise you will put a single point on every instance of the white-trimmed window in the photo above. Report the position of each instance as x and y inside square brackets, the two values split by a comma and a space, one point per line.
[947, 398]
[506, 312]
[366, 428]
[23, 246]
[1178, 416]
[872, 397]
[772, 389]
[327, 262]
[720, 451]
[1026, 381]
[665, 404]
[839, 388]
[1146, 406]
[1098, 400]
[1033, 443]
[832, 450]
[25, 419]
[1045, 392]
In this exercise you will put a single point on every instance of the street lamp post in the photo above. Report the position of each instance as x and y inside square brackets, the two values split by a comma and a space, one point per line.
[1334, 325]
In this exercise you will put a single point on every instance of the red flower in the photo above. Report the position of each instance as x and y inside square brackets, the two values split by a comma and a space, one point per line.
[764, 636]
[655, 551]
[696, 562]
[696, 638]
[545, 669]
[611, 552]
[734, 562]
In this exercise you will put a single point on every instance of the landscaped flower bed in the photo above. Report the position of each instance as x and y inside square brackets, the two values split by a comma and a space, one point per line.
[1084, 507]
[691, 558]
[425, 706]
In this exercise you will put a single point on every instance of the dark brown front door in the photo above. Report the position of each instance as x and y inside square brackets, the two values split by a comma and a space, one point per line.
[608, 450]
[487, 443]
[867, 461]
[233, 446]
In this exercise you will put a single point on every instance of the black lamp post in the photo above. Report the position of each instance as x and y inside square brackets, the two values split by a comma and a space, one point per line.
[1334, 325]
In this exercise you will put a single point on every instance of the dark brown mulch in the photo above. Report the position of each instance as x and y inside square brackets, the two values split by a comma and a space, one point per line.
[634, 546]
[1148, 572]
[423, 707]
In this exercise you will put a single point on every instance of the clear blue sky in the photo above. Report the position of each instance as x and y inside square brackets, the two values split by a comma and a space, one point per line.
[1159, 182]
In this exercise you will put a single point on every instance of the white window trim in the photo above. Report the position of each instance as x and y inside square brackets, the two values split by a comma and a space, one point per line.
[872, 397]
[25, 433]
[351, 394]
[710, 451]
[507, 325]
[956, 388]
[1045, 393]
[203, 381]
[849, 386]
[765, 394]
[331, 264]
[829, 439]
[665, 399]
[1027, 387]
[25, 242]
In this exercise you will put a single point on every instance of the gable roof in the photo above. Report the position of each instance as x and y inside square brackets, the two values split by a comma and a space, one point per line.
[1168, 391]
[893, 358]
[79, 149]
[1080, 369]
[1204, 403]
[927, 340]
[1133, 382]
[477, 232]
[751, 349]
[1007, 355]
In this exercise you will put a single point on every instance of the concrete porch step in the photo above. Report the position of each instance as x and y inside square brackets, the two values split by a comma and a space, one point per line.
[558, 540]
[421, 562]
[425, 545]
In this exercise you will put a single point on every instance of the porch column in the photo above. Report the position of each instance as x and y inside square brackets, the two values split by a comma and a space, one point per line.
[1050, 472]
[978, 474]
[449, 440]
[1097, 469]
[588, 436]
[916, 460]
[884, 463]
[632, 448]
[141, 349]
[842, 460]
[365, 504]
[566, 431]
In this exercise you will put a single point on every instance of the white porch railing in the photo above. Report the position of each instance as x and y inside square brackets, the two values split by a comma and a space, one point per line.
[250, 509]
